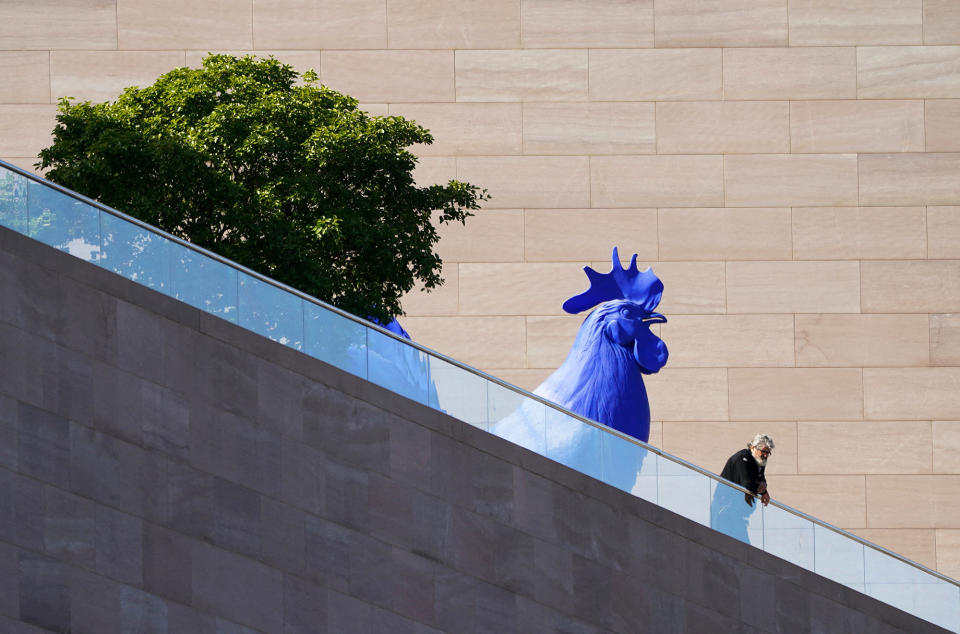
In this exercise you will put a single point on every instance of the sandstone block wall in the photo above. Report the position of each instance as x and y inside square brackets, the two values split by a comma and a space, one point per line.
[790, 168]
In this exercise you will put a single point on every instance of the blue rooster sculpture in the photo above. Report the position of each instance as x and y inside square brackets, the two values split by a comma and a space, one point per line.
[602, 377]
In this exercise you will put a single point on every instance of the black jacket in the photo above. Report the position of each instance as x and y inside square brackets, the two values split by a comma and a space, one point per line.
[743, 469]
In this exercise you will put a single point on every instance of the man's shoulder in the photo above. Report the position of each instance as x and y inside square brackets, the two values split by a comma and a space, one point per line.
[734, 462]
[737, 457]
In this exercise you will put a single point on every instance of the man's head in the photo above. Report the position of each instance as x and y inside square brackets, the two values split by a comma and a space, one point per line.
[761, 447]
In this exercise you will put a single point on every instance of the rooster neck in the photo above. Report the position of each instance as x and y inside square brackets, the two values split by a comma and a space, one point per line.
[601, 380]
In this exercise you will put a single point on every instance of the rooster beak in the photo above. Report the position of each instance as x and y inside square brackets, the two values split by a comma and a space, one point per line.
[654, 318]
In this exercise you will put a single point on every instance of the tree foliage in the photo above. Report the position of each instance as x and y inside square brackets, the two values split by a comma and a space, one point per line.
[288, 178]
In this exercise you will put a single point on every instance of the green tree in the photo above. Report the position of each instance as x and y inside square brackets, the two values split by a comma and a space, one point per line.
[289, 179]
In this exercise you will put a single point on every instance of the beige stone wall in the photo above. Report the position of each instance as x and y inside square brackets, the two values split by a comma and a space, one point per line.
[790, 169]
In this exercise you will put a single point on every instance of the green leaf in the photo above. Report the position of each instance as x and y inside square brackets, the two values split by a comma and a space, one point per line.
[290, 179]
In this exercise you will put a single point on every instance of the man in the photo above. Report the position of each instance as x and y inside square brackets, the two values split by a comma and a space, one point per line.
[746, 468]
[728, 513]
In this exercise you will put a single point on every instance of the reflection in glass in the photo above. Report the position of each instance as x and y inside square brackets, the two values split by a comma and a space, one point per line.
[629, 466]
[838, 557]
[459, 393]
[517, 418]
[939, 602]
[334, 339]
[134, 252]
[63, 222]
[397, 366]
[13, 200]
[735, 513]
[271, 311]
[788, 536]
[911, 589]
[203, 282]
[684, 491]
[573, 443]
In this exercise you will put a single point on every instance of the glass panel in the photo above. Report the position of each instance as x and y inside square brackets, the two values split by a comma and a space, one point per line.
[63, 222]
[838, 557]
[203, 282]
[334, 339]
[788, 536]
[271, 311]
[457, 392]
[939, 602]
[573, 443]
[911, 589]
[629, 466]
[735, 513]
[517, 418]
[397, 366]
[684, 491]
[13, 201]
[134, 252]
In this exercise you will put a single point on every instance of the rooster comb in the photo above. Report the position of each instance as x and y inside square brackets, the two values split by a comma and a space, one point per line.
[641, 287]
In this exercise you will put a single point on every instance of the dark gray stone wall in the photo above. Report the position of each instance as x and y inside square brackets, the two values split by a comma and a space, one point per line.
[163, 471]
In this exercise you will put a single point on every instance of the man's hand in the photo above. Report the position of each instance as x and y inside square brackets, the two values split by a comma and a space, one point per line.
[762, 492]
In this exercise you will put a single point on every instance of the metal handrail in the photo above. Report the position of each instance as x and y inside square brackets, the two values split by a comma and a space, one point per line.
[463, 366]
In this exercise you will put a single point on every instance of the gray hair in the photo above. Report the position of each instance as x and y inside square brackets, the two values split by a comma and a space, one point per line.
[761, 440]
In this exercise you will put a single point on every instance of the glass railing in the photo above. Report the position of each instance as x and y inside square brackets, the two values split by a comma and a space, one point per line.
[95, 233]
